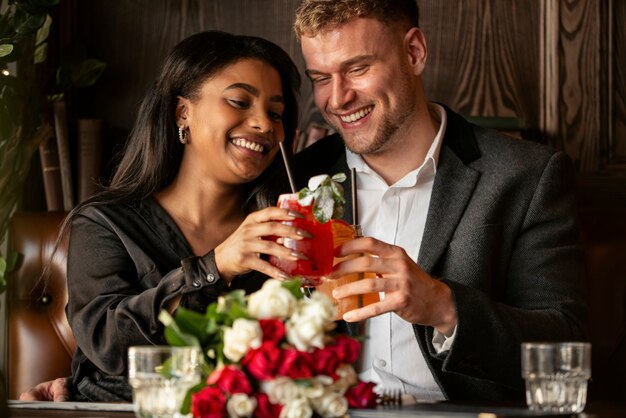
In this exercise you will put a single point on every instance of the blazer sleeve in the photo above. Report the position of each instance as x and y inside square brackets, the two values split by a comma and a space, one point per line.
[540, 296]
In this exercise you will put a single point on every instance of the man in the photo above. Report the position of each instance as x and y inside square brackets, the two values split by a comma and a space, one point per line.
[470, 233]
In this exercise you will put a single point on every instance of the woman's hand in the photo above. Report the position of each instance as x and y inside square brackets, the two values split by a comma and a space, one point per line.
[52, 390]
[241, 251]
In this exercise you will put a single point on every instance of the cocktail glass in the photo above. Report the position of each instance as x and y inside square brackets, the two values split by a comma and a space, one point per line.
[317, 250]
[160, 377]
[343, 232]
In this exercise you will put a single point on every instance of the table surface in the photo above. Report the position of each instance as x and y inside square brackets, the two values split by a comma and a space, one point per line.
[21, 409]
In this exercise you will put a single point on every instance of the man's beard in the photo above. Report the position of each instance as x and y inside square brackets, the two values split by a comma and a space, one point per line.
[383, 138]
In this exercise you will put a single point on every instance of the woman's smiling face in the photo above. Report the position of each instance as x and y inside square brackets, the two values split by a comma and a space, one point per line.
[234, 124]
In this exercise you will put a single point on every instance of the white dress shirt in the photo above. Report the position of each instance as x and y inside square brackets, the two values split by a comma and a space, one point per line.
[396, 214]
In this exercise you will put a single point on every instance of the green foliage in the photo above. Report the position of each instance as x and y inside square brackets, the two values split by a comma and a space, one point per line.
[6, 266]
[190, 328]
[24, 26]
[24, 31]
[326, 195]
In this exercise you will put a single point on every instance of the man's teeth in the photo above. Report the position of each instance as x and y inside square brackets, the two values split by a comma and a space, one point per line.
[357, 115]
[240, 142]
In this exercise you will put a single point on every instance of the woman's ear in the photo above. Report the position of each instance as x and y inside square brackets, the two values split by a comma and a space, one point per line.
[182, 107]
[415, 43]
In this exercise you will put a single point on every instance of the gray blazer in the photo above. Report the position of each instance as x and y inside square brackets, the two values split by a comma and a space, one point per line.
[501, 233]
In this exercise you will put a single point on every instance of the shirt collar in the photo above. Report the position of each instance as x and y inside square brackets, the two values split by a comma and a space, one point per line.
[428, 166]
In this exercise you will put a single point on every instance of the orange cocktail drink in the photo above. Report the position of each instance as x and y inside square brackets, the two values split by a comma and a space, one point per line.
[343, 232]
[317, 250]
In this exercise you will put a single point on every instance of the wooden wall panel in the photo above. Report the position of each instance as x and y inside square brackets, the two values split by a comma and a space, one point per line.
[134, 36]
[618, 111]
[484, 56]
[580, 82]
[555, 64]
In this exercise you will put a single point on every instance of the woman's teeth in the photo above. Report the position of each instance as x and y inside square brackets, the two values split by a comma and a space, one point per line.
[240, 142]
[357, 115]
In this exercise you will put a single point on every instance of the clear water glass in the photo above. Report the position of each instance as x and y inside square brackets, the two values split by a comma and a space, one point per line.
[160, 377]
[556, 376]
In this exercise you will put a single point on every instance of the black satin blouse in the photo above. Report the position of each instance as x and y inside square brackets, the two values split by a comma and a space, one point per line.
[125, 263]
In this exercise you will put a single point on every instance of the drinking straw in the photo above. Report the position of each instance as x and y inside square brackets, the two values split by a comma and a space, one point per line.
[288, 168]
[355, 208]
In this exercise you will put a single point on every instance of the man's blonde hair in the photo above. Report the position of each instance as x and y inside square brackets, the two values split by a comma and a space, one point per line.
[315, 16]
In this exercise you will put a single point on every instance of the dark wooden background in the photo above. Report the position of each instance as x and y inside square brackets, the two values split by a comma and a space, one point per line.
[556, 66]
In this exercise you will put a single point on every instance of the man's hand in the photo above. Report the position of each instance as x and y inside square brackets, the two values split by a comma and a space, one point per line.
[53, 390]
[409, 291]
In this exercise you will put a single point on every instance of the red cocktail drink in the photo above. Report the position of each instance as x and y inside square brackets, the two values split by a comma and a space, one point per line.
[319, 249]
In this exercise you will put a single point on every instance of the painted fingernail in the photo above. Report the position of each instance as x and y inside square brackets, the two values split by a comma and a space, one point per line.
[304, 234]
[295, 214]
[299, 256]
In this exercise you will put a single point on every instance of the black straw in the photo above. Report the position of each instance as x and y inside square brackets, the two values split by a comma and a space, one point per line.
[355, 202]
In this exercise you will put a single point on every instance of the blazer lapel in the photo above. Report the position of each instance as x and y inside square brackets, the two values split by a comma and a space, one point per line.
[453, 187]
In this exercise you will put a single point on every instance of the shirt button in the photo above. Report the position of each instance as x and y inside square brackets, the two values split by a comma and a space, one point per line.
[210, 277]
[196, 283]
[381, 363]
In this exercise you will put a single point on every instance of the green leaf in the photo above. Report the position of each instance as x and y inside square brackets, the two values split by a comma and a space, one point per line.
[44, 31]
[5, 49]
[87, 72]
[339, 177]
[324, 205]
[186, 406]
[26, 22]
[174, 335]
[294, 287]
[40, 54]
[3, 271]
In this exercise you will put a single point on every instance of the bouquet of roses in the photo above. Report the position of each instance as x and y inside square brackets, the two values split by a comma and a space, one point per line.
[270, 354]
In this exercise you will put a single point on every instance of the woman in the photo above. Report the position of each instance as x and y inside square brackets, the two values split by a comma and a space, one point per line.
[182, 220]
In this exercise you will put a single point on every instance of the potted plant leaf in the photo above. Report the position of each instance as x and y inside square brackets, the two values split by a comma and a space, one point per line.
[24, 30]
[26, 100]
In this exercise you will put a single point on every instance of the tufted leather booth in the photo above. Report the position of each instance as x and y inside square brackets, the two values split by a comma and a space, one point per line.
[40, 342]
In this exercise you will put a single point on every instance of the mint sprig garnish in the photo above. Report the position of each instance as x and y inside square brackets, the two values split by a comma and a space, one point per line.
[326, 195]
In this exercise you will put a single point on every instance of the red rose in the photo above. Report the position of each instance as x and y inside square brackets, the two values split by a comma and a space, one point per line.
[361, 395]
[325, 361]
[208, 403]
[347, 349]
[231, 380]
[273, 330]
[266, 409]
[295, 364]
[263, 361]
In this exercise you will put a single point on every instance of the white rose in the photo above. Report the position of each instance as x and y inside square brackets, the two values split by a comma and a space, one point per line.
[280, 390]
[330, 405]
[271, 301]
[297, 408]
[244, 335]
[308, 325]
[321, 308]
[304, 333]
[347, 378]
[316, 388]
[240, 405]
